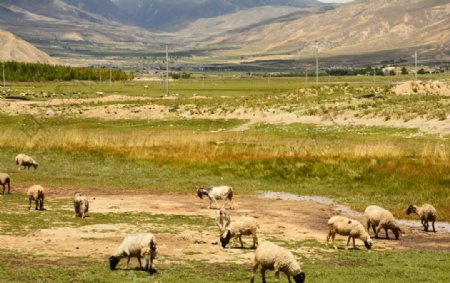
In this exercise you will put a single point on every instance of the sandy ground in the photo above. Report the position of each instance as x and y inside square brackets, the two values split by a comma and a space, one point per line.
[86, 108]
[283, 220]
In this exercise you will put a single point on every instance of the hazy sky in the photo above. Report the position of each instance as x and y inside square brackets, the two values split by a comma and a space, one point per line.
[335, 1]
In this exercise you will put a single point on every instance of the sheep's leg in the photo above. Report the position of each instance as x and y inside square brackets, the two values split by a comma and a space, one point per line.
[149, 263]
[217, 205]
[348, 241]
[386, 230]
[263, 274]
[354, 246]
[3, 189]
[255, 266]
[378, 231]
[128, 262]
[9, 188]
[255, 240]
[29, 204]
[288, 277]
[41, 205]
[37, 204]
[210, 202]
[432, 223]
[375, 231]
[426, 225]
[277, 275]
[332, 239]
[240, 240]
[140, 263]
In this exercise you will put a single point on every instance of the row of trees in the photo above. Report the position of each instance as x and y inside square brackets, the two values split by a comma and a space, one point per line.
[30, 72]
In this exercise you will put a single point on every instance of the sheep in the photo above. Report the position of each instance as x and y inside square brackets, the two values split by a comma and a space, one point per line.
[137, 245]
[426, 213]
[81, 205]
[222, 219]
[37, 194]
[274, 257]
[380, 218]
[25, 161]
[217, 193]
[5, 180]
[348, 227]
[244, 226]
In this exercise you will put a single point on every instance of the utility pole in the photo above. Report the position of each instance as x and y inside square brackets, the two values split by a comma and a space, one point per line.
[415, 64]
[4, 84]
[317, 62]
[167, 70]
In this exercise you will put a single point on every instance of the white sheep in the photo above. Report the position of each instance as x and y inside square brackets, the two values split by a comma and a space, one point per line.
[222, 219]
[348, 227]
[274, 257]
[137, 245]
[244, 226]
[36, 193]
[5, 180]
[426, 213]
[380, 218]
[217, 193]
[81, 205]
[25, 161]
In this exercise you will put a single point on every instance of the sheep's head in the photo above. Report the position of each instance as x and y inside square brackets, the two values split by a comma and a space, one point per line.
[113, 262]
[300, 278]
[35, 164]
[200, 192]
[411, 209]
[77, 194]
[225, 238]
[368, 243]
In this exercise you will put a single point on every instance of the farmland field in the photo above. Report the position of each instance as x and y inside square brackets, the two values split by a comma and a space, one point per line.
[138, 154]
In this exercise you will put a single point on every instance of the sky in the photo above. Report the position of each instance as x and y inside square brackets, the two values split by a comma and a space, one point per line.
[335, 1]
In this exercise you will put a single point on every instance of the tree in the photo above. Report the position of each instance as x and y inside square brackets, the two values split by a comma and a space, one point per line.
[404, 71]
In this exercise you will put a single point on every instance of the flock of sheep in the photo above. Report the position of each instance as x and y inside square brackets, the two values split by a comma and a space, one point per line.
[268, 256]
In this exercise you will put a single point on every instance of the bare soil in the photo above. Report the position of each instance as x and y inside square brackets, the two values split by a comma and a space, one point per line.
[280, 220]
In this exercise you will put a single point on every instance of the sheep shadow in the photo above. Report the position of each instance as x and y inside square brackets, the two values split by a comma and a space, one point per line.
[151, 271]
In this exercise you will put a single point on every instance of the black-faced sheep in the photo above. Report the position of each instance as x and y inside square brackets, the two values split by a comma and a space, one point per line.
[273, 257]
[137, 245]
[426, 213]
[348, 227]
[380, 218]
[5, 180]
[217, 193]
[36, 193]
[25, 161]
[81, 205]
[244, 226]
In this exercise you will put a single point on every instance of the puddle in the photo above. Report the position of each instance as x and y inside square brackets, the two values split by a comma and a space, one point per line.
[343, 209]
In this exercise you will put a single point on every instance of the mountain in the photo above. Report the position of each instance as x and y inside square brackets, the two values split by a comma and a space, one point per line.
[356, 28]
[172, 15]
[13, 48]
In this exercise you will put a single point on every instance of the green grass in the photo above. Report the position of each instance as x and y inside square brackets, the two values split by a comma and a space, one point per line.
[342, 266]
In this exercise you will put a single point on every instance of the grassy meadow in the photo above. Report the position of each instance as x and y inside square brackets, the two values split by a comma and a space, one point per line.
[356, 165]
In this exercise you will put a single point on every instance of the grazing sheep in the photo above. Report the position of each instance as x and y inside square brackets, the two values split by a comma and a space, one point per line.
[244, 226]
[380, 218]
[81, 205]
[217, 193]
[348, 227]
[25, 161]
[37, 194]
[222, 219]
[137, 245]
[426, 213]
[5, 180]
[274, 257]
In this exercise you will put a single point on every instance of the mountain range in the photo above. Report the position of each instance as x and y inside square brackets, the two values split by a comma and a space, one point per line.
[233, 30]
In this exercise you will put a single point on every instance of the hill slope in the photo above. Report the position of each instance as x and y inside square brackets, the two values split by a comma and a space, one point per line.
[356, 28]
[13, 48]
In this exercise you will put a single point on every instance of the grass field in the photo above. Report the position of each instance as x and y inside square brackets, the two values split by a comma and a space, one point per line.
[356, 165]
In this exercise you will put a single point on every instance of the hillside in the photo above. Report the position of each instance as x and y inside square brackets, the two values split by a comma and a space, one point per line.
[13, 48]
[355, 28]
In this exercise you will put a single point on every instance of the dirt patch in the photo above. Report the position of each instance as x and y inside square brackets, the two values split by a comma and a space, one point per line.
[287, 221]
[440, 88]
